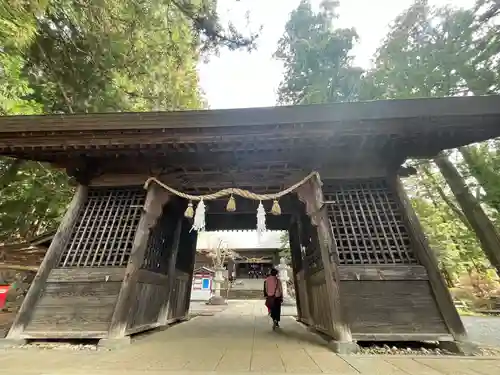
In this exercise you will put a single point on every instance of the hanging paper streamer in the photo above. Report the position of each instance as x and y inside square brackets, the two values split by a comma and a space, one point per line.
[199, 217]
[261, 220]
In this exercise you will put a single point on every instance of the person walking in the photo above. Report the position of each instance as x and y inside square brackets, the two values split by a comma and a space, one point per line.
[274, 296]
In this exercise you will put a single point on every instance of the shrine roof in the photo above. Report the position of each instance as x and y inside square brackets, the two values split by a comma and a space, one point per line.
[361, 113]
[391, 128]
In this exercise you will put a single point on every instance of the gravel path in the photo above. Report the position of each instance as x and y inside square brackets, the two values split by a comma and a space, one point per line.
[484, 330]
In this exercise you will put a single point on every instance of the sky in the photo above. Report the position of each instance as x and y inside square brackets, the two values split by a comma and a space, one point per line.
[240, 79]
[239, 239]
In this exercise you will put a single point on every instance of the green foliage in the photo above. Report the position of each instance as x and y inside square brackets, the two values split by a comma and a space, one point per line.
[122, 55]
[33, 203]
[285, 251]
[432, 52]
[455, 244]
[83, 56]
[482, 162]
[316, 57]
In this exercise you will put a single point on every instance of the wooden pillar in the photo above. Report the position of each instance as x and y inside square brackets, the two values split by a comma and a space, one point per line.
[156, 198]
[191, 241]
[50, 260]
[163, 315]
[295, 252]
[428, 259]
[312, 196]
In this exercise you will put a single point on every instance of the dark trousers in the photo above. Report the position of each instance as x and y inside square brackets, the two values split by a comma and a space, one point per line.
[276, 310]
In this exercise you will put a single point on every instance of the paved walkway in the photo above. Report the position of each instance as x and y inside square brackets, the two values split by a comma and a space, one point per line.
[236, 340]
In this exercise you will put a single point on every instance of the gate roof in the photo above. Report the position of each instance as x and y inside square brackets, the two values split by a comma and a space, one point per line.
[198, 146]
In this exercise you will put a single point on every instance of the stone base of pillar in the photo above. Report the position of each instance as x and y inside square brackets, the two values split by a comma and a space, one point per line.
[343, 347]
[466, 348]
[217, 300]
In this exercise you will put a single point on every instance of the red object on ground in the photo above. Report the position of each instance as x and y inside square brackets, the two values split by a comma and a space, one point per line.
[3, 294]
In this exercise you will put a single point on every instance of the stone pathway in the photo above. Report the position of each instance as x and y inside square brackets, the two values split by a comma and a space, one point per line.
[236, 340]
[484, 330]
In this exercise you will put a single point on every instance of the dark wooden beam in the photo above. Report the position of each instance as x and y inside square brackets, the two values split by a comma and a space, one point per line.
[245, 221]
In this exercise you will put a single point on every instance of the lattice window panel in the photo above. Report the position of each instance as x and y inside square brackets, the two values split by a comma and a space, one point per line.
[160, 242]
[105, 229]
[367, 224]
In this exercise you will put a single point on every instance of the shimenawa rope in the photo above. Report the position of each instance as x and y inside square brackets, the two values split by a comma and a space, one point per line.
[199, 215]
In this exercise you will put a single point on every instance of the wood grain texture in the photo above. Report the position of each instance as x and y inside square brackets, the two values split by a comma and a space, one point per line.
[149, 277]
[74, 307]
[156, 198]
[146, 305]
[55, 250]
[428, 259]
[305, 314]
[391, 307]
[73, 275]
[325, 298]
[163, 314]
[329, 113]
[383, 272]
[179, 296]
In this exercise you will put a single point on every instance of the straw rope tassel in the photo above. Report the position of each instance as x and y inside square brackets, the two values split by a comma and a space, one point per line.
[231, 204]
[276, 209]
[189, 213]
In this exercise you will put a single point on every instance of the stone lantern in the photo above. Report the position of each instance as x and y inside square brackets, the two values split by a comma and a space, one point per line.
[284, 278]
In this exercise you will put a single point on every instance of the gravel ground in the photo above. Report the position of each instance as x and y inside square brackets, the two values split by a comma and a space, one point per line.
[483, 330]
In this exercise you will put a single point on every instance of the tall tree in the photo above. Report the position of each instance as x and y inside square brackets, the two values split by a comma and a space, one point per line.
[316, 56]
[437, 52]
[69, 56]
[479, 221]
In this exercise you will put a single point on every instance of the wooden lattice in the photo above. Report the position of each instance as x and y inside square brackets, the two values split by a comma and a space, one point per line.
[105, 229]
[367, 223]
[159, 248]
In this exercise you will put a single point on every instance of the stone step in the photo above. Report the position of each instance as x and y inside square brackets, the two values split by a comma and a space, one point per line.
[245, 294]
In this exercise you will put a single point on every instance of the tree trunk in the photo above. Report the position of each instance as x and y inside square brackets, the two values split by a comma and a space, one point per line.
[486, 177]
[444, 197]
[477, 218]
[447, 277]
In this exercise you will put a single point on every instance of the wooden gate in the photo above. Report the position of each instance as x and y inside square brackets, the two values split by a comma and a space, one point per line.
[319, 278]
[184, 268]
